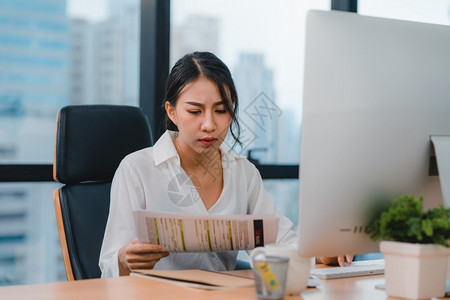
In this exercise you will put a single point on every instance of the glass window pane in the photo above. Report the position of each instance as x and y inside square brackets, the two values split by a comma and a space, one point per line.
[285, 195]
[262, 44]
[53, 54]
[435, 11]
[29, 244]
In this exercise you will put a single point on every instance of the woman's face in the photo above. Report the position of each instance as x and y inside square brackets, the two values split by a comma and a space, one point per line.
[200, 116]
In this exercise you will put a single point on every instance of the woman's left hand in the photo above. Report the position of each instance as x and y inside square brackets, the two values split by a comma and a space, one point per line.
[339, 260]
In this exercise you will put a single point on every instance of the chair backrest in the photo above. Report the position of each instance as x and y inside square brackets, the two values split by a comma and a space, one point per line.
[91, 140]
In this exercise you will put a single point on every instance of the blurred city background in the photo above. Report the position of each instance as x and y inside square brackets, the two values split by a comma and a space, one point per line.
[56, 52]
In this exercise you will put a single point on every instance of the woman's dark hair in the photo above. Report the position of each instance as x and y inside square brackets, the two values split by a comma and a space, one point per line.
[189, 68]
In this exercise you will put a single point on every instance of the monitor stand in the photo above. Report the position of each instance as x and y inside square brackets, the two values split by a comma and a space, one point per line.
[442, 151]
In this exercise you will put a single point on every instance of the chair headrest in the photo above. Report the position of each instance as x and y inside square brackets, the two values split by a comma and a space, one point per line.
[91, 140]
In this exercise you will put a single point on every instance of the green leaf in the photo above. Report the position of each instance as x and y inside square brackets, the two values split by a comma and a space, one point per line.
[405, 221]
[427, 227]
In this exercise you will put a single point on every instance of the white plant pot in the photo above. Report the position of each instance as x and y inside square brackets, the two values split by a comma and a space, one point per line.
[415, 271]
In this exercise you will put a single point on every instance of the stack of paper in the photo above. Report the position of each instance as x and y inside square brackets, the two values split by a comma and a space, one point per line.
[197, 278]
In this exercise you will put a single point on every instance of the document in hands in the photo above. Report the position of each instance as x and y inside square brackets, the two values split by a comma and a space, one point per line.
[199, 233]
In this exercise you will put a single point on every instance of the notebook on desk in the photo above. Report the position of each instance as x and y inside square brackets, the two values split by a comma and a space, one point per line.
[197, 278]
[357, 268]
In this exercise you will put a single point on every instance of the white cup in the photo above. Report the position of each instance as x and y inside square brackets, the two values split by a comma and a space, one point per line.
[298, 270]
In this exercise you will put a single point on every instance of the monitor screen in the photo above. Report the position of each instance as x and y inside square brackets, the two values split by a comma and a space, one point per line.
[375, 90]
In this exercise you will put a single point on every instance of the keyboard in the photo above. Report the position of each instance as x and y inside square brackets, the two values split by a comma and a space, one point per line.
[357, 268]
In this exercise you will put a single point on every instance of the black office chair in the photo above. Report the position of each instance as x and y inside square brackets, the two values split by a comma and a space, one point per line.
[91, 140]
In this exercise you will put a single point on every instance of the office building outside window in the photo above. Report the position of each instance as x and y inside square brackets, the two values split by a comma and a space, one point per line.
[53, 53]
[262, 44]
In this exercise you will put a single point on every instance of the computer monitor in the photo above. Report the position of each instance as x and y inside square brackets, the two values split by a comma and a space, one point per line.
[375, 90]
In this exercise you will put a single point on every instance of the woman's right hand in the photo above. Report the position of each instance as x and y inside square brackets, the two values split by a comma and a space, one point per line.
[135, 255]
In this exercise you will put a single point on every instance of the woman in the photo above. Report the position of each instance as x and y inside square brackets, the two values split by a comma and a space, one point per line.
[188, 170]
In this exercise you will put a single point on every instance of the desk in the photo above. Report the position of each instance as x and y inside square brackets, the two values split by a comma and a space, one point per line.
[130, 287]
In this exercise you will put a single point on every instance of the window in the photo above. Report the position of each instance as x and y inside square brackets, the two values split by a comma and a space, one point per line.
[436, 11]
[53, 53]
[262, 44]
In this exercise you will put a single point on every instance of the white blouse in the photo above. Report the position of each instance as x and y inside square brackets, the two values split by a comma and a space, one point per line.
[152, 178]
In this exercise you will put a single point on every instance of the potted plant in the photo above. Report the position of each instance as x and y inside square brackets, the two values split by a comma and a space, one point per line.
[415, 244]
